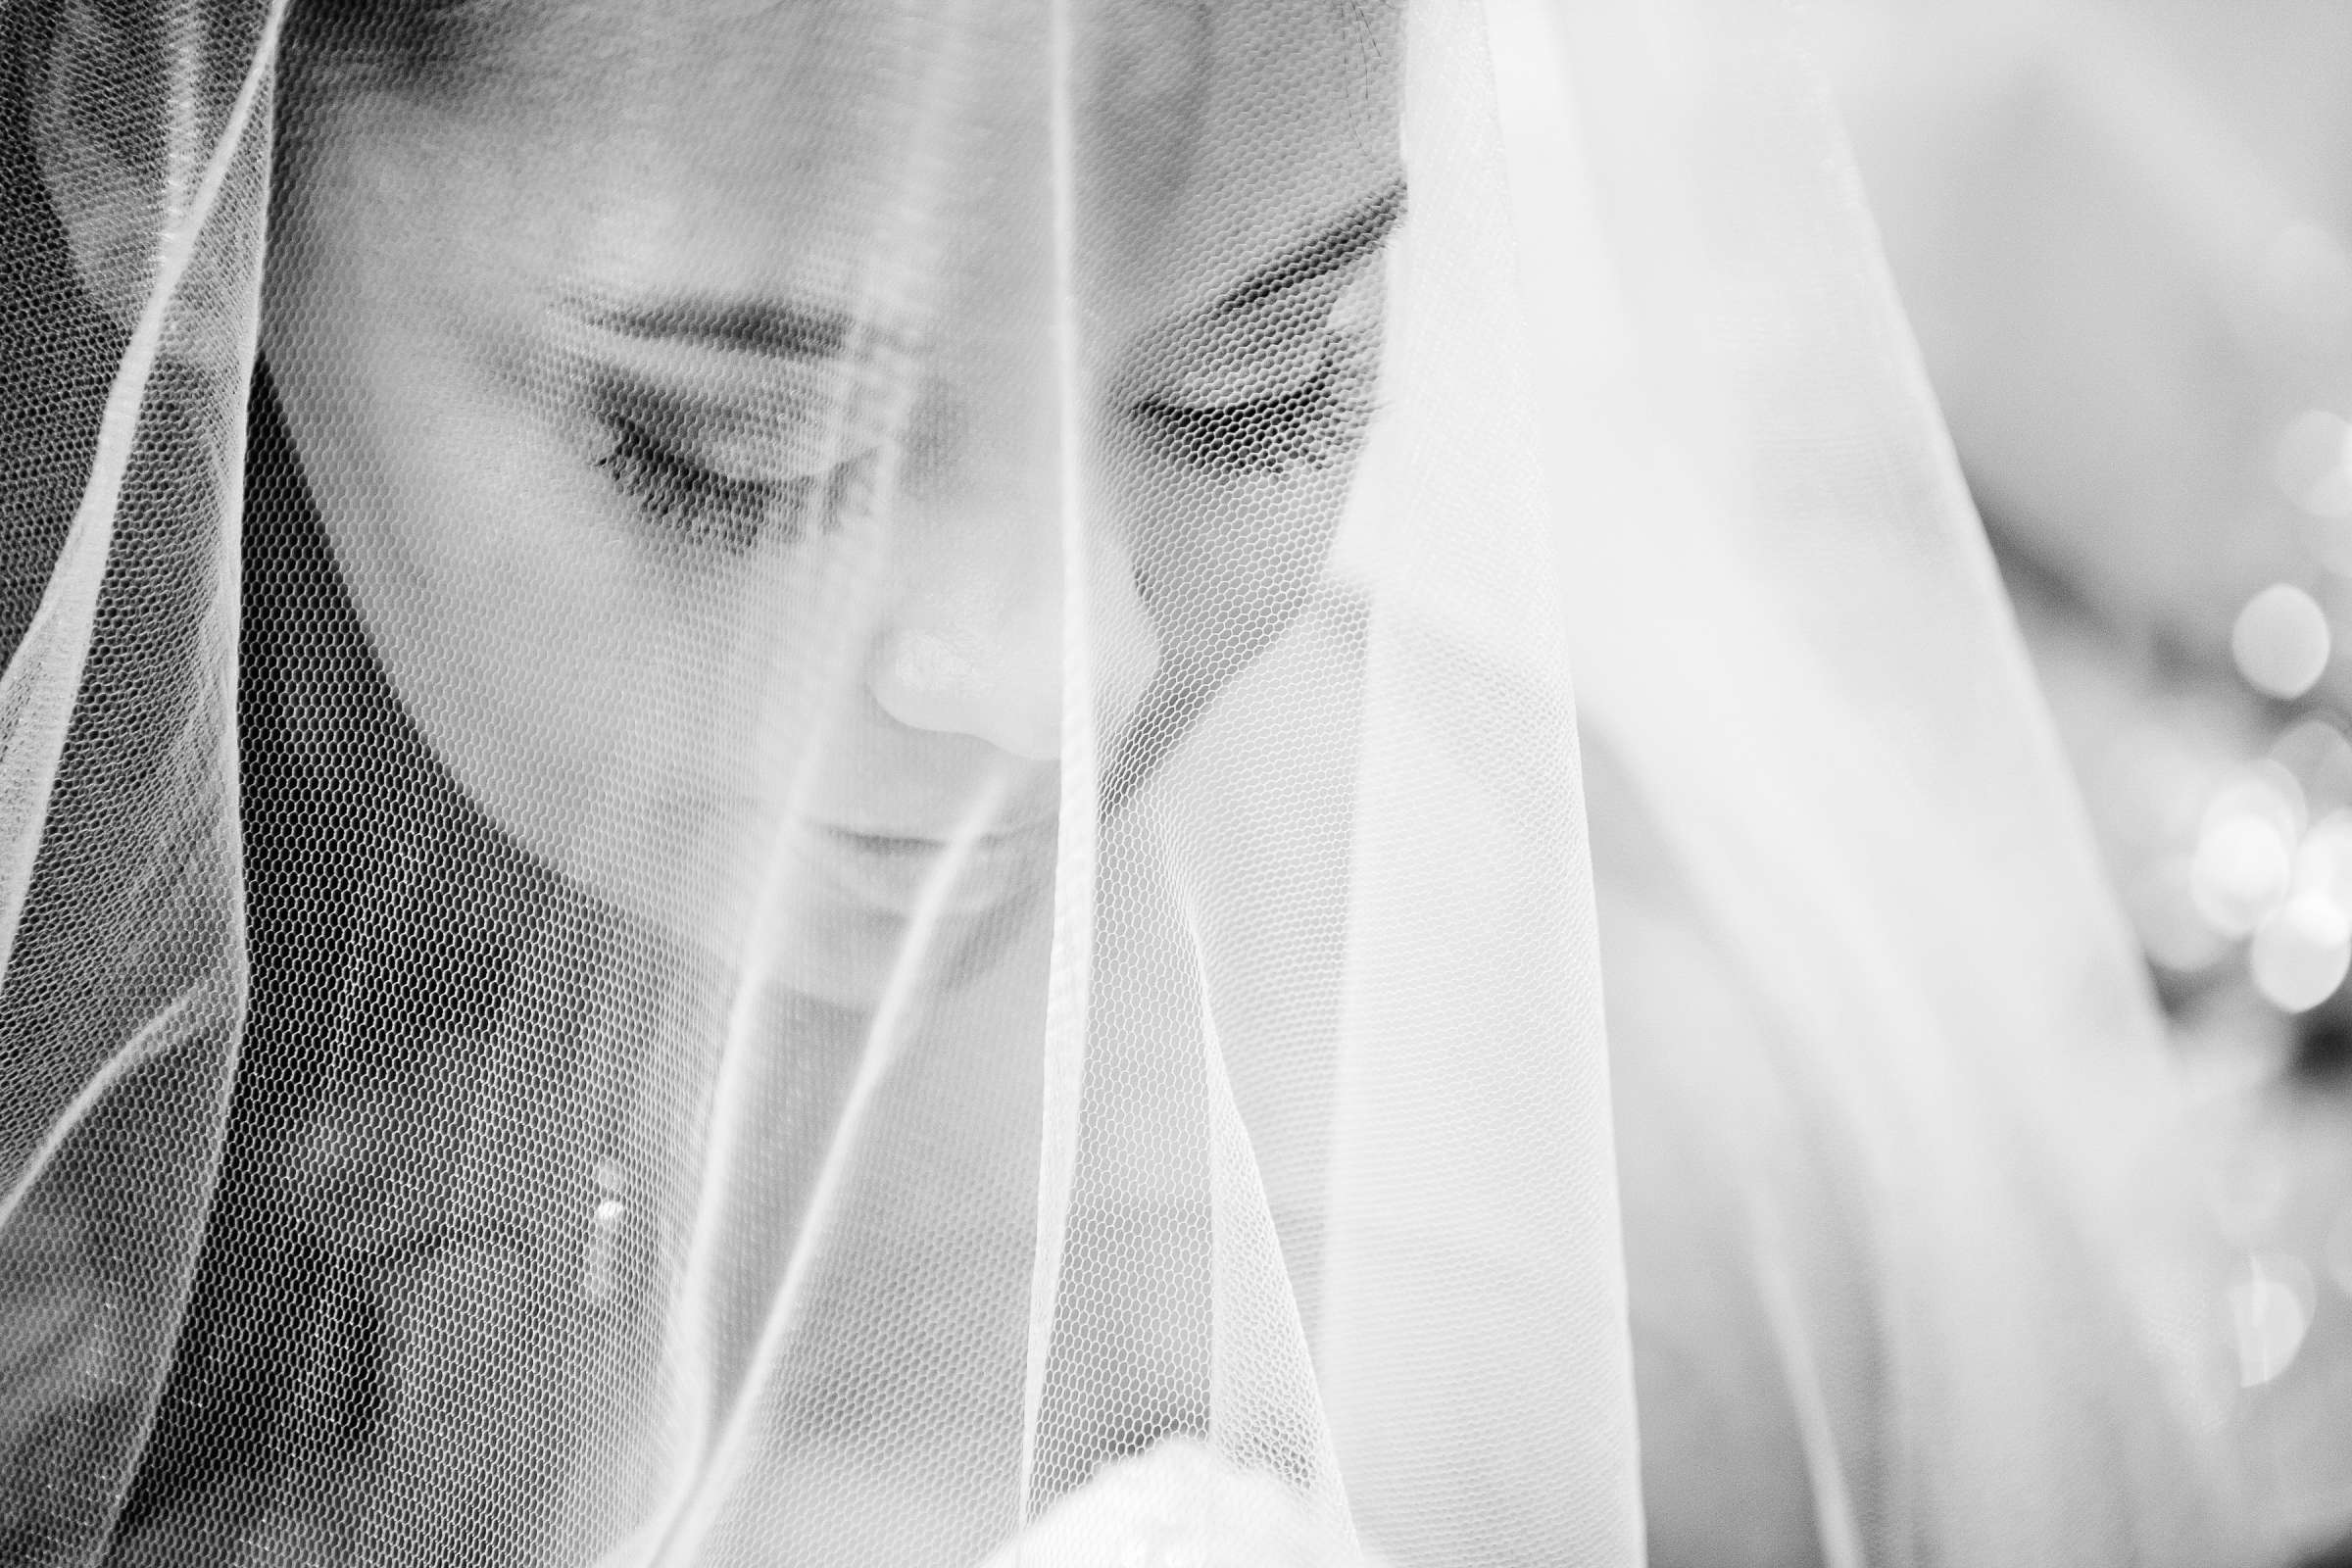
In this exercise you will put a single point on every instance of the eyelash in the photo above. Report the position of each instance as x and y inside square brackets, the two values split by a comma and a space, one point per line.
[706, 507]
[1314, 426]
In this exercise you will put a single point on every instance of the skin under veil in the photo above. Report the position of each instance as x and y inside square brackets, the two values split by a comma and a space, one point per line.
[703, 419]
[515, 325]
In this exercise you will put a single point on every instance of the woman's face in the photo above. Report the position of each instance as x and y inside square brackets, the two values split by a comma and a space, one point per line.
[683, 389]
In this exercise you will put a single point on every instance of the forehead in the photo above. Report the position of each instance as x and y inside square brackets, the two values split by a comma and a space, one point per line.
[730, 146]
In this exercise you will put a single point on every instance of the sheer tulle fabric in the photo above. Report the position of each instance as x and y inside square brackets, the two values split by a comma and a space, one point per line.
[1789, 635]
[523, 1043]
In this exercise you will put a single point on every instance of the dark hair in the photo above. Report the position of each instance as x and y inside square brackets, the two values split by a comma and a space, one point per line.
[396, 45]
[384, 912]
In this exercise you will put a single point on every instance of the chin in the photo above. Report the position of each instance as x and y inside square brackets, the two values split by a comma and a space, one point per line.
[838, 906]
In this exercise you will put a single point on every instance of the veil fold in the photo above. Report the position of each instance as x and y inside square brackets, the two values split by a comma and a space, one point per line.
[1790, 638]
[560, 1008]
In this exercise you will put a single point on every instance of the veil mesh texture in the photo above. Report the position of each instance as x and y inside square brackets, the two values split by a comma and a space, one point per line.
[797, 784]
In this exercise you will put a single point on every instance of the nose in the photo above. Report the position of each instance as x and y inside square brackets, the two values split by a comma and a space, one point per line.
[977, 658]
[972, 640]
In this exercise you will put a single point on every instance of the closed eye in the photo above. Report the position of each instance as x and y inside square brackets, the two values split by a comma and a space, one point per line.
[1313, 426]
[695, 502]
[1316, 424]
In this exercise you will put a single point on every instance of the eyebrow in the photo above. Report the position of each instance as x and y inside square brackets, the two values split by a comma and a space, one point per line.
[1357, 233]
[784, 330]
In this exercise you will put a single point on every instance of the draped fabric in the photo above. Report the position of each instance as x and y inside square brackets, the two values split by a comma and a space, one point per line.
[799, 784]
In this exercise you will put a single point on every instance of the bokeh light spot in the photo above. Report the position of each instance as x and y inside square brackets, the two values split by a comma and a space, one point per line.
[2281, 641]
[2324, 861]
[2300, 953]
[2242, 868]
[2270, 1312]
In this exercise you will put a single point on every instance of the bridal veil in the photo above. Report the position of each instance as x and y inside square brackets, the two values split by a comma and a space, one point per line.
[798, 783]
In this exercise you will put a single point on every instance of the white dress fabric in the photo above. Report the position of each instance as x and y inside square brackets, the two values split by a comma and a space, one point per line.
[799, 785]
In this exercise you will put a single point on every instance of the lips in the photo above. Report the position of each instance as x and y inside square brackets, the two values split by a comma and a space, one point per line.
[888, 873]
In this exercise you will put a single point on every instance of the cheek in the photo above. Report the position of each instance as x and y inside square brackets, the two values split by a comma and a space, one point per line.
[489, 578]
[607, 697]
[1225, 564]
